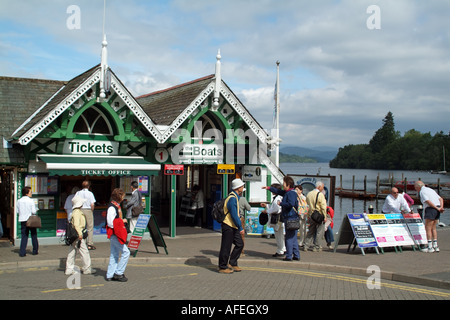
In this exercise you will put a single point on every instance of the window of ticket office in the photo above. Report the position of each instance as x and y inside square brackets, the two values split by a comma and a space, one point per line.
[101, 187]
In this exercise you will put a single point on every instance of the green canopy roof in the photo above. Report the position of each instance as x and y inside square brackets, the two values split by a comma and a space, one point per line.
[98, 166]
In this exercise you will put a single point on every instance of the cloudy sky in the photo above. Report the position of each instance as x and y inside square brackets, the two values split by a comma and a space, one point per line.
[343, 66]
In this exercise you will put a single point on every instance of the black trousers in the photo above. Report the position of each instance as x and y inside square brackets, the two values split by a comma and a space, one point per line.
[230, 236]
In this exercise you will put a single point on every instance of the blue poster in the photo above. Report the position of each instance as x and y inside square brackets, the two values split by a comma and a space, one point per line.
[362, 231]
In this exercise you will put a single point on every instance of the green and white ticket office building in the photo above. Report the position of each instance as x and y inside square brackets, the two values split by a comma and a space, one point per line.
[57, 134]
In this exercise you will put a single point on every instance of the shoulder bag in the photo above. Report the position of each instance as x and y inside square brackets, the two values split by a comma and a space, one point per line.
[316, 216]
[294, 222]
[34, 221]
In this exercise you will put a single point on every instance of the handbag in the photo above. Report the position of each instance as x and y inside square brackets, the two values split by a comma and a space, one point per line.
[274, 218]
[292, 224]
[316, 216]
[136, 211]
[34, 221]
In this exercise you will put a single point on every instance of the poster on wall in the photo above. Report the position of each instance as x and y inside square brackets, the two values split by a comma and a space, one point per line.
[252, 225]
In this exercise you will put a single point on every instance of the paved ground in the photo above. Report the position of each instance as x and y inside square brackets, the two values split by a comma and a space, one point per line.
[189, 272]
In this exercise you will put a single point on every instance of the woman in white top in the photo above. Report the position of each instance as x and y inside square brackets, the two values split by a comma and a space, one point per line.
[274, 211]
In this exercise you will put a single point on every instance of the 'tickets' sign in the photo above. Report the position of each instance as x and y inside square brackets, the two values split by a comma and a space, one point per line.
[91, 147]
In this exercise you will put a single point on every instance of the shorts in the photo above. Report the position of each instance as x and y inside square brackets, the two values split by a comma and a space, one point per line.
[432, 214]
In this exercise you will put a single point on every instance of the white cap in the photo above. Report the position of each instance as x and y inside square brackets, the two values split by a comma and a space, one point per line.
[236, 183]
[77, 202]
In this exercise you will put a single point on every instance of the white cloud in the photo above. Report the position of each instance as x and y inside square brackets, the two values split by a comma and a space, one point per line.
[337, 77]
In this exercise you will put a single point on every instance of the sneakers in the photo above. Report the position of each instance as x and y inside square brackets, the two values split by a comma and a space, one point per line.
[90, 271]
[117, 277]
[429, 250]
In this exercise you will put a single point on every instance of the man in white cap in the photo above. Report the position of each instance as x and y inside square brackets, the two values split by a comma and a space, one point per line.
[232, 231]
[79, 222]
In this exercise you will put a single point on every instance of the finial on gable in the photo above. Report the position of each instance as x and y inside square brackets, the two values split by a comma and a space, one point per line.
[104, 86]
[104, 67]
[218, 83]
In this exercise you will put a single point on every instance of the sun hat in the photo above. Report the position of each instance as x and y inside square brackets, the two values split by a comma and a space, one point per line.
[236, 183]
[77, 202]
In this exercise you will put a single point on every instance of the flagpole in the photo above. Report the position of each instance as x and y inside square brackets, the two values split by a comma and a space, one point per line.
[277, 117]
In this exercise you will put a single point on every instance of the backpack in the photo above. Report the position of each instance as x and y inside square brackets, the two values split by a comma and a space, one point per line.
[218, 210]
[71, 234]
[218, 213]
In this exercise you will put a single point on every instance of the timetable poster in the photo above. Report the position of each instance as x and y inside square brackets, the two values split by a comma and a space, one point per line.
[361, 230]
[380, 228]
[399, 229]
[252, 225]
[416, 227]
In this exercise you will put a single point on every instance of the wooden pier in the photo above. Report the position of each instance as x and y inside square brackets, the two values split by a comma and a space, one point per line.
[382, 190]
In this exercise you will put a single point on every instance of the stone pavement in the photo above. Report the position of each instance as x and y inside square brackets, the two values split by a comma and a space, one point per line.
[201, 246]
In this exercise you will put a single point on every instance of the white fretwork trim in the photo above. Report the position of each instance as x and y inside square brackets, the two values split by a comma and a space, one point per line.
[60, 108]
[240, 110]
[187, 112]
[129, 100]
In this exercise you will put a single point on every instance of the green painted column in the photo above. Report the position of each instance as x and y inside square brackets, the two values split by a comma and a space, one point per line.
[225, 190]
[173, 206]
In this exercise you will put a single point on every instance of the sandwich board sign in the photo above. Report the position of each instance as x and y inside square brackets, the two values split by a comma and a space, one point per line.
[356, 230]
[416, 228]
[145, 221]
[399, 228]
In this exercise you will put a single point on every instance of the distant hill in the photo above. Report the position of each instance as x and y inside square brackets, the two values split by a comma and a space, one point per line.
[292, 158]
[320, 154]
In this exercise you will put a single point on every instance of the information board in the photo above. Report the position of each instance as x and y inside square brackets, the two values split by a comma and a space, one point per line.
[145, 221]
[355, 230]
[416, 227]
[361, 230]
[138, 232]
[380, 228]
[399, 229]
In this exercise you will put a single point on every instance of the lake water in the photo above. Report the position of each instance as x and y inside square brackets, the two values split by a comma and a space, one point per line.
[350, 205]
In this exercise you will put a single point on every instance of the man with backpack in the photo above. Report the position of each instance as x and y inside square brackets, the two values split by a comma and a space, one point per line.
[232, 230]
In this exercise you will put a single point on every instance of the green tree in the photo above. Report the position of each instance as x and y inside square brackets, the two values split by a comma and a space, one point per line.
[389, 150]
[385, 135]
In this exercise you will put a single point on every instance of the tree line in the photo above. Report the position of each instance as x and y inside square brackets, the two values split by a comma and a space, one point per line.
[389, 150]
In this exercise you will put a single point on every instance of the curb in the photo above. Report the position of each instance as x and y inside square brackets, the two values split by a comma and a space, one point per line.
[206, 261]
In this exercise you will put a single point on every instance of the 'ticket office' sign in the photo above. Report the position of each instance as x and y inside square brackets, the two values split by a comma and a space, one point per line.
[91, 147]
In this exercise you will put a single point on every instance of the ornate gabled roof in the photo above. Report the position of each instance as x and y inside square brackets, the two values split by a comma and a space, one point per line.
[172, 107]
[61, 99]
[161, 112]
[165, 105]
[69, 94]
[18, 98]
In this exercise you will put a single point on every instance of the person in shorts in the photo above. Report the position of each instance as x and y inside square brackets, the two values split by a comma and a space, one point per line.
[433, 206]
